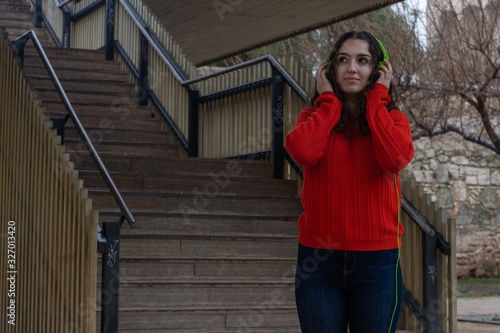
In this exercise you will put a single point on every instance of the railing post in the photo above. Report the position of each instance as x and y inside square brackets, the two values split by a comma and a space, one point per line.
[38, 14]
[277, 151]
[19, 46]
[142, 94]
[430, 284]
[110, 29]
[193, 121]
[110, 277]
[66, 41]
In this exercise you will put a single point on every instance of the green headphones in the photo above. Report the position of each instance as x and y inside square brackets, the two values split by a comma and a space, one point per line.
[380, 63]
[384, 51]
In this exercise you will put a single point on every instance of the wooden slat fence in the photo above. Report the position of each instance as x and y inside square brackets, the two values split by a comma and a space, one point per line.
[55, 235]
[54, 15]
[411, 257]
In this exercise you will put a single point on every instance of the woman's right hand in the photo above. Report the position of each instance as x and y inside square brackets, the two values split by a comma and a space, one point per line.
[322, 83]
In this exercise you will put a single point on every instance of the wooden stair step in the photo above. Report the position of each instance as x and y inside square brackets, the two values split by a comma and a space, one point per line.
[215, 281]
[187, 204]
[88, 98]
[157, 295]
[103, 147]
[80, 100]
[208, 185]
[70, 74]
[14, 6]
[77, 65]
[16, 15]
[55, 52]
[58, 110]
[230, 247]
[276, 226]
[38, 69]
[117, 87]
[14, 34]
[118, 135]
[214, 226]
[261, 170]
[16, 23]
[245, 319]
[21, 27]
[109, 124]
[164, 270]
[17, 31]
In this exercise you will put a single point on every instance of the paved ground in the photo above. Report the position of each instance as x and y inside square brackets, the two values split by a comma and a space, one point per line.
[473, 312]
[477, 315]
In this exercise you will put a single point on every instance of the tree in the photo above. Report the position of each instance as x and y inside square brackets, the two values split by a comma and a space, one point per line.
[457, 88]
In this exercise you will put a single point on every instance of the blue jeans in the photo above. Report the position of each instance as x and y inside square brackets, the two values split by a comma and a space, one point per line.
[336, 289]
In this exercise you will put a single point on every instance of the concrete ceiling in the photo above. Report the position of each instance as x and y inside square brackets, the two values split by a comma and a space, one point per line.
[210, 30]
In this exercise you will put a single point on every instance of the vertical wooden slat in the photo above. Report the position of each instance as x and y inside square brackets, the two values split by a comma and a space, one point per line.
[452, 277]
[440, 220]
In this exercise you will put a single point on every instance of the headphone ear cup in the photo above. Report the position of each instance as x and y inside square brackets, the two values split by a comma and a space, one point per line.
[328, 64]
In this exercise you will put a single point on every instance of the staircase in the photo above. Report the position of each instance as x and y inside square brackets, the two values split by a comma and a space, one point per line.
[215, 245]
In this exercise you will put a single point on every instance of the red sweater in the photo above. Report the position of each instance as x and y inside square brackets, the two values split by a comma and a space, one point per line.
[349, 195]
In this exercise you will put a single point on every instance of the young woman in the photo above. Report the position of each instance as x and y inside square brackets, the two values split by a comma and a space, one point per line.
[352, 143]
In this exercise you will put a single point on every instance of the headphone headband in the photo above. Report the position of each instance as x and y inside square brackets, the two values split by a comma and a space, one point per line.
[384, 51]
[380, 63]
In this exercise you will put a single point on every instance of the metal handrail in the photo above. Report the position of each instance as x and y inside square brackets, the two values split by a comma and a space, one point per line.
[180, 77]
[78, 125]
[272, 61]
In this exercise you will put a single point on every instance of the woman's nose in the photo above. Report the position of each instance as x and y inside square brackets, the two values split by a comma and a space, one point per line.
[352, 67]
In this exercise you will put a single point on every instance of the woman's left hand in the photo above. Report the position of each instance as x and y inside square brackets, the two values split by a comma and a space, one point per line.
[385, 74]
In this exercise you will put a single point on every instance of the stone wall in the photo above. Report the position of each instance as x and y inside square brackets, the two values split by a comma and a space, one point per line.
[465, 178]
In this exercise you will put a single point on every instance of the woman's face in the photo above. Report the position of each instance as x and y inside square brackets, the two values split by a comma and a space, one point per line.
[353, 66]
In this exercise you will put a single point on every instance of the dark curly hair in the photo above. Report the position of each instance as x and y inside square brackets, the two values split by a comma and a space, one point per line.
[358, 116]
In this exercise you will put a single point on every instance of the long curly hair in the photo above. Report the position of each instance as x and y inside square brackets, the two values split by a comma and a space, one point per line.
[357, 117]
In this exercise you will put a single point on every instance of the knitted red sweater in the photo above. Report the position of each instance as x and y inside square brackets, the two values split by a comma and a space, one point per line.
[349, 194]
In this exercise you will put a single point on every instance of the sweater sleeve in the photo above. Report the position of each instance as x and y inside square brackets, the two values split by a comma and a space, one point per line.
[309, 136]
[390, 131]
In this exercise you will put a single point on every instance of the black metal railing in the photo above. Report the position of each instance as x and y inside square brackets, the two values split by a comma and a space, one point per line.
[432, 240]
[109, 236]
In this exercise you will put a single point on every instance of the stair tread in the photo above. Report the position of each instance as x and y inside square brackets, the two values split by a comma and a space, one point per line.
[204, 281]
[205, 257]
[212, 307]
[223, 214]
[189, 259]
[81, 76]
[76, 64]
[75, 71]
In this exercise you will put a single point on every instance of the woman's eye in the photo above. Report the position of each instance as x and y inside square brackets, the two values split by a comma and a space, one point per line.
[363, 60]
[342, 59]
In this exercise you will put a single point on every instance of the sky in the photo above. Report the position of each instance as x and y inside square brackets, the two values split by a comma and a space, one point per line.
[421, 5]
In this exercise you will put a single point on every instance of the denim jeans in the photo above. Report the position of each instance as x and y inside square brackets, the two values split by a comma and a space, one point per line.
[336, 289]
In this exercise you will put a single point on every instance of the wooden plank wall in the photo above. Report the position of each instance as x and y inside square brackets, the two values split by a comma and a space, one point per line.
[54, 15]
[89, 31]
[55, 228]
[241, 124]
